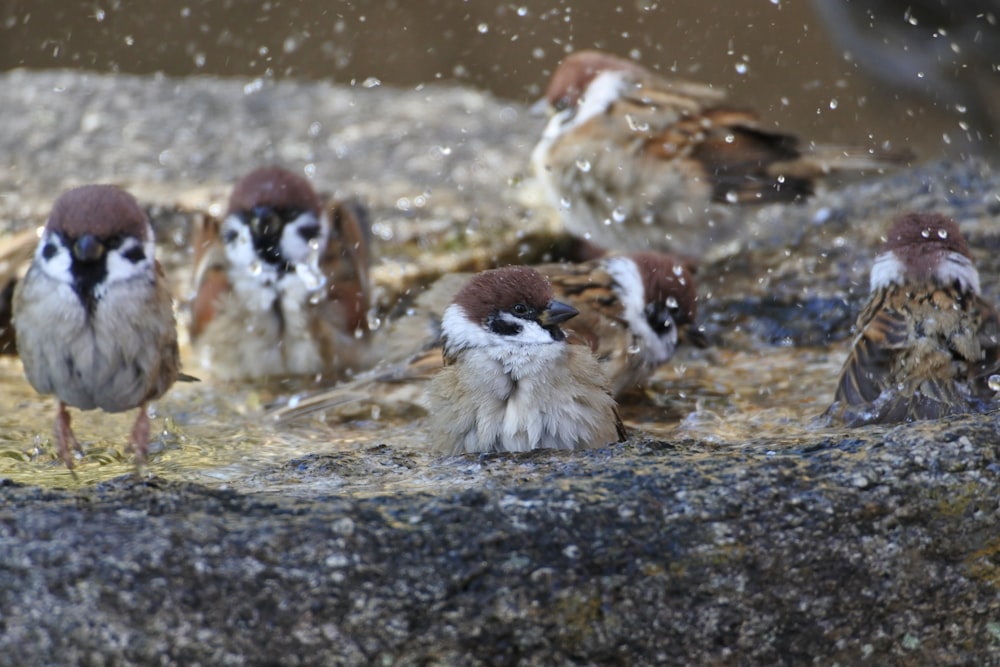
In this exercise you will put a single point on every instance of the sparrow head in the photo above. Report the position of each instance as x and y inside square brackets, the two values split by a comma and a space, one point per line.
[577, 71]
[658, 298]
[274, 218]
[925, 247]
[96, 236]
[512, 306]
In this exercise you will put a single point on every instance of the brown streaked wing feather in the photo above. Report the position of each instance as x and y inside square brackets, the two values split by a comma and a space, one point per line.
[346, 262]
[869, 364]
[587, 287]
[211, 282]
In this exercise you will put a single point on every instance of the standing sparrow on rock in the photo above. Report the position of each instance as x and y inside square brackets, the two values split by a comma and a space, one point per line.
[282, 282]
[511, 382]
[93, 316]
[927, 343]
[634, 161]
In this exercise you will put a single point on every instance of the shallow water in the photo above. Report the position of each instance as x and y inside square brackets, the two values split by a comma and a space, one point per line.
[219, 434]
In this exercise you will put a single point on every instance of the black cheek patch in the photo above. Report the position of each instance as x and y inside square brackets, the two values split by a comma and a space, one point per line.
[502, 327]
[135, 254]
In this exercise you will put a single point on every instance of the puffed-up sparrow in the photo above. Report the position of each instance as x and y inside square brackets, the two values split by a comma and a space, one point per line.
[927, 343]
[282, 282]
[511, 382]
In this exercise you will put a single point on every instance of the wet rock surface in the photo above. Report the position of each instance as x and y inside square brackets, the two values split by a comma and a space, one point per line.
[878, 545]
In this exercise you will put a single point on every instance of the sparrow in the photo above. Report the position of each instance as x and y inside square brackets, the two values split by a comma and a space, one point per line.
[282, 282]
[633, 161]
[927, 343]
[511, 382]
[93, 316]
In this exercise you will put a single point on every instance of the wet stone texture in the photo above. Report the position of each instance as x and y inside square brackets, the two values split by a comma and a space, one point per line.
[878, 546]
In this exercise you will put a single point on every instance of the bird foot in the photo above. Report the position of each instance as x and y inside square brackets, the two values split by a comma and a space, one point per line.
[66, 442]
[139, 441]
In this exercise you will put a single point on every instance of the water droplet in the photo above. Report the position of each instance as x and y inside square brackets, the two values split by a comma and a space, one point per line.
[834, 103]
[618, 214]
[483, 28]
[522, 11]
[583, 165]
[994, 382]
[926, 233]
[741, 68]
[732, 197]
[678, 270]
[636, 125]
[565, 203]
[99, 15]
[942, 233]
[312, 278]
[671, 302]
[633, 349]
[648, 218]
[371, 82]
[255, 268]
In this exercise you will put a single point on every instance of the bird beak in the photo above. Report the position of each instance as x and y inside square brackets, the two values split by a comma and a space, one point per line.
[557, 312]
[539, 108]
[88, 249]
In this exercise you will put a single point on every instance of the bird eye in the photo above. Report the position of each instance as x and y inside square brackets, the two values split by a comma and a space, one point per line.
[49, 250]
[229, 236]
[520, 309]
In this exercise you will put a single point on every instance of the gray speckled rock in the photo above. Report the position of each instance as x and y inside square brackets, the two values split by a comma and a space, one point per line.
[879, 546]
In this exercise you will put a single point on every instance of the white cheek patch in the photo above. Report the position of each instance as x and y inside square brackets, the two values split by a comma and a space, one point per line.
[239, 244]
[460, 332]
[531, 333]
[628, 286]
[296, 249]
[957, 267]
[602, 92]
[58, 266]
[886, 270]
[122, 269]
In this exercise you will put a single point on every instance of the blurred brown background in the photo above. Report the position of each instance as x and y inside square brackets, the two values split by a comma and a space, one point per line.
[785, 58]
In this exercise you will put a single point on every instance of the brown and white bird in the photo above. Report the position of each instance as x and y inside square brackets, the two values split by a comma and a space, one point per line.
[282, 282]
[511, 382]
[93, 315]
[634, 161]
[927, 343]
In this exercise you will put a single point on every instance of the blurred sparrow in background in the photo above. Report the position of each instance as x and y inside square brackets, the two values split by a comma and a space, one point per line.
[511, 382]
[282, 282]
[634, 161]
[93, 315]
[927, 343]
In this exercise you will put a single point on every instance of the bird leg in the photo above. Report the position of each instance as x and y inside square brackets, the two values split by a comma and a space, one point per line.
[65, 440]
[139, 442]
